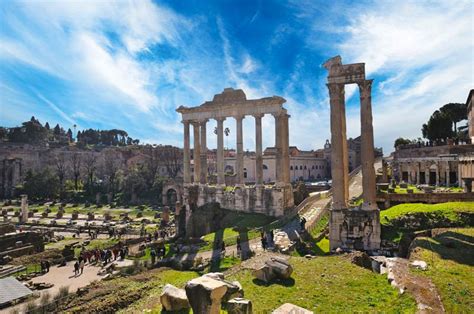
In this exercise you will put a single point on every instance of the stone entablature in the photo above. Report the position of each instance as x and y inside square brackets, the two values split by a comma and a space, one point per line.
[234, 104]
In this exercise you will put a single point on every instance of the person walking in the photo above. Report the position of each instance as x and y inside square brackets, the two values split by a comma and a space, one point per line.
[76, 268]
[153, 256]
[81, 266]
[264, 243]
[239, 247]
[47, 265]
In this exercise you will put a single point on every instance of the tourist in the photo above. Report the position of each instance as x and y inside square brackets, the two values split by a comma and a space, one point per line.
[264, 243]
[76, 268]
[272, 236]
[81, 266]
[153, 256]
[42, 267]
[238, 245]
[223, 247]
[303, 224]
[47, 265]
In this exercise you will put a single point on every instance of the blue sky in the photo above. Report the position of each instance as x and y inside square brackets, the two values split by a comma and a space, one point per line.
[129, 64]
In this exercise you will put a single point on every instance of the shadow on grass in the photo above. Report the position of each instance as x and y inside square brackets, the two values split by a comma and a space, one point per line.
[290, 282]
[450, 245]
[217, 250]
[245, 252]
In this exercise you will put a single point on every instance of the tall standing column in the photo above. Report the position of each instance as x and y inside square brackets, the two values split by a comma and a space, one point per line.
[258, 149]
[447, 173]
[345, 150]
[417, 173]
[220, 152]
[285, 149]
[186, 154]
[278, 155]
[437, 174]
[367, 146]
[196, 153]
[336, 93]
[239, 165]
[203, 176]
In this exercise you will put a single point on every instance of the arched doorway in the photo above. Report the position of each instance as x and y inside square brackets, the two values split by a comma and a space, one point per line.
[171, 197]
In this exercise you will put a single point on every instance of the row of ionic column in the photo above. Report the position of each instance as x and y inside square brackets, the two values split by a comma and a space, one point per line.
[339, 154]
[200, 150]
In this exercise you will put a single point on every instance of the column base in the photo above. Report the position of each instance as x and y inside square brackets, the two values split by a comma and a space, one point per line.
[354, 229]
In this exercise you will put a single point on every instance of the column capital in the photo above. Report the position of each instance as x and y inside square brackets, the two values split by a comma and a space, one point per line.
[194, 123]
[239, 117]
[220, 119]
[279, 114]
[202, 121]
[365, 88]
[258, 115]
[185, 122]
[335, 89]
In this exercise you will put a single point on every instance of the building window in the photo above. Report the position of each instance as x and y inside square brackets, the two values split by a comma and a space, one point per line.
[265, 167]
[301, 167]
[312, 167]
[304, 167]
[291, 167]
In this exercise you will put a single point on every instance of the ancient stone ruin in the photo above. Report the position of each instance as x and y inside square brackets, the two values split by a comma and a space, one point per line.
[358, 227]
[259, 198]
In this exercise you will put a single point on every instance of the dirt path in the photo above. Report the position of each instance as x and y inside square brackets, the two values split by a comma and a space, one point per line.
[421, 288]
[61, 277]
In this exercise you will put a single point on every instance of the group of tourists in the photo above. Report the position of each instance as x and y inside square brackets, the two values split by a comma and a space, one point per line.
[99, 256]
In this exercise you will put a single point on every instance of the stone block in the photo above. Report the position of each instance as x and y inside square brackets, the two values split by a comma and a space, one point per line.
[280, 267]
[174, 299]
[239, 306]
[205, 294]
[264, 273]
[289, 308]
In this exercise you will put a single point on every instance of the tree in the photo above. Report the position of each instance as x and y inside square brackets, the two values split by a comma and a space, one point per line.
[111, 171]
[439, 127]
[76, 162]
[61, 169]
[69, 135]
[456, 113]
[90, 166]
[47, 126]
[171, 158]
[401, 141]
[41, 185]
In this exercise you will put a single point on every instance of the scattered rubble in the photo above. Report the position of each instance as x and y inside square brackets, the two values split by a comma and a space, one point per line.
[289, 308]
[273, 268]
[174, 299]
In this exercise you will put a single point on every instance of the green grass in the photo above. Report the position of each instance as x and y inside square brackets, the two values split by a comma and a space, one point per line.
[450, 258]
[238, 223]
[326, 284]
[448, 209]
[414, 217]
[320, 225]
[399, 190]
[97, 244]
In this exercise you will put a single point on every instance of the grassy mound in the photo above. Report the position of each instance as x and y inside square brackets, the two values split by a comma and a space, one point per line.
[326, 284]
[133, 293]
[413, 217]
[450, 258]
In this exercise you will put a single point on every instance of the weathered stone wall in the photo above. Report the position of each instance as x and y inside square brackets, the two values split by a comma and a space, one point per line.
[13, 243]
[354, 229]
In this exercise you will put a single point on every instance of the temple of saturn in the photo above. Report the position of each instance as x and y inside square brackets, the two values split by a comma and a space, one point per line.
[270, 200]
[351, 227]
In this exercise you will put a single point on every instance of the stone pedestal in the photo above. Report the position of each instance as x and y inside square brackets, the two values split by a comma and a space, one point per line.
[354, 229]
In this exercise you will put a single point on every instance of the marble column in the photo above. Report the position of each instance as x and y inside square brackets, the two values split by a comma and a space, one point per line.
[367, 146]
[447, 173]
[186, 155]
[220, 152]
[239, 164]
[417, 173]
[437, 174]
[204, 170]
[196, 153]
[258, 149]
[278, 152]
[336, 93]
[285, 149]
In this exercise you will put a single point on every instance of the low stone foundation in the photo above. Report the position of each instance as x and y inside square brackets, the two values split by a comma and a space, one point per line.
[354, 229]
